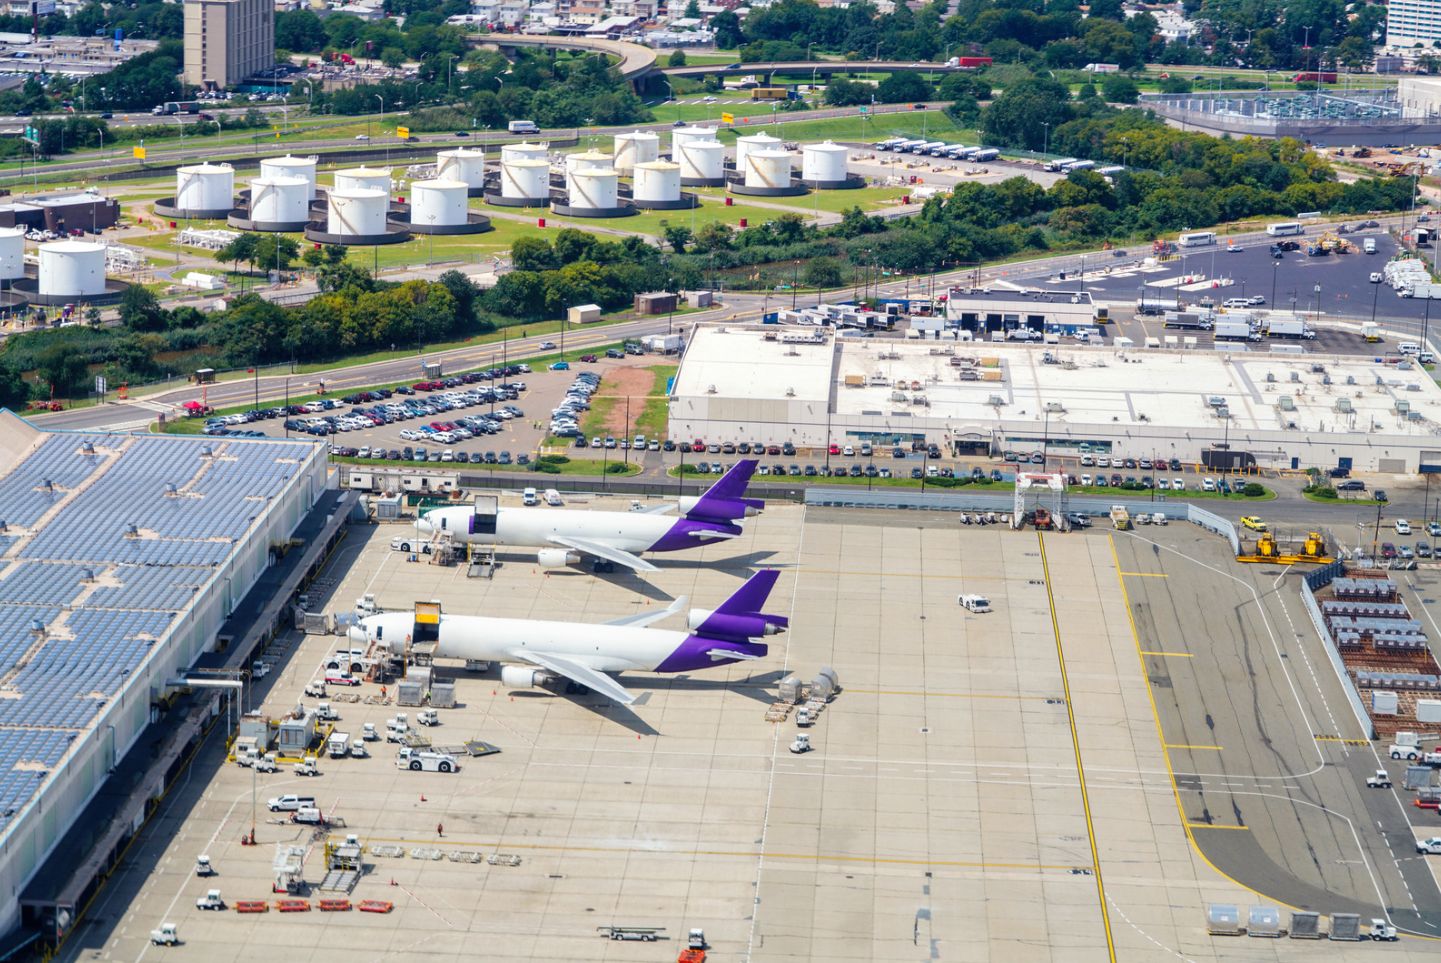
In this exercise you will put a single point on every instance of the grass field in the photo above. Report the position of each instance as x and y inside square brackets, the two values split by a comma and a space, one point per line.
[652, 419]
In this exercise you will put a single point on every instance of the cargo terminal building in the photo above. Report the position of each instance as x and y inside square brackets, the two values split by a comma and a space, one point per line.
[804, 385]
[120, 558]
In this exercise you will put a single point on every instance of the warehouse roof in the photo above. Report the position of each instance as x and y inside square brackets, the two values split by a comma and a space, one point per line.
[104, 540]
[736, 362]
[1085, 385]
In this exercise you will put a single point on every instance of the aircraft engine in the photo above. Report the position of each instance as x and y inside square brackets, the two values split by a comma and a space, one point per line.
[739, 626]
[521, 677]
[556, 557]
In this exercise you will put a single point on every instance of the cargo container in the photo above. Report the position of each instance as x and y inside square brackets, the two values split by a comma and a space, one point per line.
[1289, 328]
[1233, 331]
[969, 63]
[1187, 319]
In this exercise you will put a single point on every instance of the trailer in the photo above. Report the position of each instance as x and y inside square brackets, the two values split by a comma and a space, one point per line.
[985, 154]
[1055, 166]
[1082, 165]
[1189, 320]
[1233, 331]
[1289, 328]
[1150, 305]
[890, 143]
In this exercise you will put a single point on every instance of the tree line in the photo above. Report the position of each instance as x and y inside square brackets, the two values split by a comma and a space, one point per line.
[353, 313]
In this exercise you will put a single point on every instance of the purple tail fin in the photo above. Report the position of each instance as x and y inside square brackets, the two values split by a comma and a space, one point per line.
[740, 616]
[725, 501]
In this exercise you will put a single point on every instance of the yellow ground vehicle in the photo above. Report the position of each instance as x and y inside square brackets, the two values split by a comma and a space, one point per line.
[1253, 522]
[1313, 549]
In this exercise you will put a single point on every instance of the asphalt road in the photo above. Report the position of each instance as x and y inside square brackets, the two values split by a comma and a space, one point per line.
[173, 153]
[1256, 724]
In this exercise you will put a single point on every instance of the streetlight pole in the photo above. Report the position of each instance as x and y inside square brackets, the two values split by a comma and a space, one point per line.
[1375, 293]
[1276, 273]
[448, 61]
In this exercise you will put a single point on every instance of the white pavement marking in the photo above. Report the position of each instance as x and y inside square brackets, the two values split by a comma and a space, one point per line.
[775, 747]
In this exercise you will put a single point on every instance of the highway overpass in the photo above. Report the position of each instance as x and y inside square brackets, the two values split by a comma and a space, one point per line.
[814, 67]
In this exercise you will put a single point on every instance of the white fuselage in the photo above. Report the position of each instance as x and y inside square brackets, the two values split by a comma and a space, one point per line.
[606, 648]
[534, 527]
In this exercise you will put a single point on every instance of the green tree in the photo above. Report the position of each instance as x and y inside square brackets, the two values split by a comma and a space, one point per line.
[823, 272]
[240, 249]
[299, 30]
[676, 59]
[140, 310]
[1026, 111]
[1120, 89]
[532, 254]
[713, 237]
[903, 88]
[727, 27]
[275, 252]
[677, 236]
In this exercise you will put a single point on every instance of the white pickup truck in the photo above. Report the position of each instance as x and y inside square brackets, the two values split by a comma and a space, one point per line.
[1430, 846]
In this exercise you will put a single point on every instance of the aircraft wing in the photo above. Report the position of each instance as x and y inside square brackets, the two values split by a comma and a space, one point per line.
[602, 550]
[579, 674]
[642, 619]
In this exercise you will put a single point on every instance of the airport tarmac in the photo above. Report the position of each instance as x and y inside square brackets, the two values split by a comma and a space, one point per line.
[985, 787]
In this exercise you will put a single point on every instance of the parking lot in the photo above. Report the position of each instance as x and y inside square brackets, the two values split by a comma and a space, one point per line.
[1288, 284]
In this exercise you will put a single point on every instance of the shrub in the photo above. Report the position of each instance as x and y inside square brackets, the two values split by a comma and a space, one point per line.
[1253, 490]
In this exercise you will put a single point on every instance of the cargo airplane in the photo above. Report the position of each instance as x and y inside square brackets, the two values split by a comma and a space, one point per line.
[563, 536]
[534, 653]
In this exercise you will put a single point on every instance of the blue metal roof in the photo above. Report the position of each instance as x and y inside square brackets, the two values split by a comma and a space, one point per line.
[107, 538]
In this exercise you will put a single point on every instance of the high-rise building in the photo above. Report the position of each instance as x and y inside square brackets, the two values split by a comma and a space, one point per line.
[1411, 22]
[227, 41]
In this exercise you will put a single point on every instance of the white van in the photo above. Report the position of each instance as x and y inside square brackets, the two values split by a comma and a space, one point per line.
[1369, 245]
[552, 498]
[1409, 348]
[529, 497]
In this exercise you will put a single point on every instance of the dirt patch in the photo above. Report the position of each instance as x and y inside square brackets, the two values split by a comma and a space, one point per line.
[637, 384]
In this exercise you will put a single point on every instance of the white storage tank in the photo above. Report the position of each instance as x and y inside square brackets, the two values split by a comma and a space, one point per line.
[595, 188]
[515, 152]
[750, 142]
[12, 253]
[439, 202]
[363, 179]
[279, 200]
[357, 213]
[702, 160]
[589, 160]
[204, 187]
[72, 269]
[768, 168]
[288, 166]
[657, 181]
[637, 147]
[461, 164]
[690, 135]
[522, 179]
[824, 162]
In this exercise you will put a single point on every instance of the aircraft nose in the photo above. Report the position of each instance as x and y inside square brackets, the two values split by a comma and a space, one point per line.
[357, 633]
[423, 526]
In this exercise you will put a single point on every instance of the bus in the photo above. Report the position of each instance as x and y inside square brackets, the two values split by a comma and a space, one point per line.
[1285, 229]
[1198, 239]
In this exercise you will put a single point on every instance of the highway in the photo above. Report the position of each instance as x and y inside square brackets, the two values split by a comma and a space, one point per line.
[382, 145]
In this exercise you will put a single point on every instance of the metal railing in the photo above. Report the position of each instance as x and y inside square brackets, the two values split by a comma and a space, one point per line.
[1319, 579]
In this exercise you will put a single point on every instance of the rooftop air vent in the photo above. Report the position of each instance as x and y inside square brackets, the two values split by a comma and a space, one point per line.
[131, 531]
[205, 452]
[170, 488]
[86, 448]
